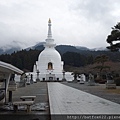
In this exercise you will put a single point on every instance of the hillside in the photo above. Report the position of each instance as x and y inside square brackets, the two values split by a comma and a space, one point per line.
[71, 55]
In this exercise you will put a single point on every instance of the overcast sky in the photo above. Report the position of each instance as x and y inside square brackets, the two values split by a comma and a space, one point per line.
[75, 22]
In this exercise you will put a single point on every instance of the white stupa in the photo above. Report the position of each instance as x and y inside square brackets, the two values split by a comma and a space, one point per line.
[49, 60]
[49, 65]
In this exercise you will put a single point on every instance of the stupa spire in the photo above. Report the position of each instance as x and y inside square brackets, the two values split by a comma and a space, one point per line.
[49, 29]
[49, 20]
[49, 41]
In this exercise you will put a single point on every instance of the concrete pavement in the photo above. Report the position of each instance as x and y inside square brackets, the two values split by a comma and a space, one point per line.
[67, 100]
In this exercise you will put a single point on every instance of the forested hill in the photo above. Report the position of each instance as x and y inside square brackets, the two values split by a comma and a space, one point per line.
[72, 56]
[62, 49]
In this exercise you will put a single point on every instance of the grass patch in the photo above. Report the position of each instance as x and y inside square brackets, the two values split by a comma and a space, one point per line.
[117, 90]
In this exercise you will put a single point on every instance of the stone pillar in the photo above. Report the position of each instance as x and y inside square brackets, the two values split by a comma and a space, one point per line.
[31, 79]
[63, 76]
[110, 82]
[38, 79]
[91, 81]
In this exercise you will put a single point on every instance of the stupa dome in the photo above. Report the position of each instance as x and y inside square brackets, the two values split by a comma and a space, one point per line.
[49, 56]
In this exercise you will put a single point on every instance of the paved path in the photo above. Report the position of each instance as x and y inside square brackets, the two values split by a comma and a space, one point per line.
[67, 100]
[98, 90]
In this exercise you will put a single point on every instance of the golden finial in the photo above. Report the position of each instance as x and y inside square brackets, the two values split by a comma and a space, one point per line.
[49, 20]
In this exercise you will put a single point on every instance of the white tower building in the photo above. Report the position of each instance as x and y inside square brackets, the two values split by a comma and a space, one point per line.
[49, 64]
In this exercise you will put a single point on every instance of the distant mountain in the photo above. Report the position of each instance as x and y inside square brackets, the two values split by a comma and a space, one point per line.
[40, 46]
[66, 48]
[99, 49]
[1, 51]
[11, 47]
[93, 49]
[61, 48]
[9, 50]
[82, 48]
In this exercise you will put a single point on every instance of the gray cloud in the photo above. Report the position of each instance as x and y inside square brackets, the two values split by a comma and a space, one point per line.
[98, 16]
[76, 22]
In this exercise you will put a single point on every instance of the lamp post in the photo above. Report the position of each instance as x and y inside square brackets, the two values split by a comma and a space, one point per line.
[38, 80]
[63, 76]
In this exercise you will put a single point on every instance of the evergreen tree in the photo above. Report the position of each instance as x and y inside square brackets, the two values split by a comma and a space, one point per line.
[90, 59]
[115, 36]
[100, 60]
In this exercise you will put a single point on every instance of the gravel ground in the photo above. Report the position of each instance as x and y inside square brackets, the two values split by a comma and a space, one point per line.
[98, 90]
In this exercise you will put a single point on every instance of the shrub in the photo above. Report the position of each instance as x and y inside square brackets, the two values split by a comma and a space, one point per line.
[117, 81]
